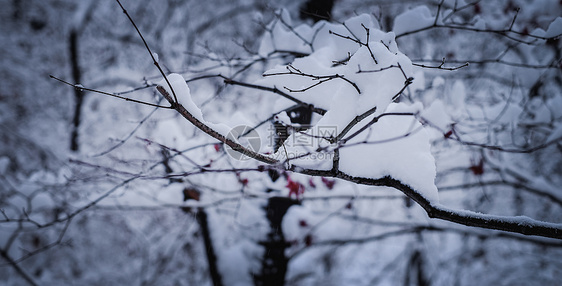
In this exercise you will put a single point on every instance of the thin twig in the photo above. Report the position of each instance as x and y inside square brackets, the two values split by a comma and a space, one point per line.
[154, 61]
[107, 93]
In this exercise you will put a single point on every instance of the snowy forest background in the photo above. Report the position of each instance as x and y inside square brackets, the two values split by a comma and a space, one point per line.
[96, 190]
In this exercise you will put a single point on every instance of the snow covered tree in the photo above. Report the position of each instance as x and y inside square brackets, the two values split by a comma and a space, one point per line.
[331, 143]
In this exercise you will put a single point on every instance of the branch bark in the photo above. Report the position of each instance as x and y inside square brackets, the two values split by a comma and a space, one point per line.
[523, 225]
[237, 147]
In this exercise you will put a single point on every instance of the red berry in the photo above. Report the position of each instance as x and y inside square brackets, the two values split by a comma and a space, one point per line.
[244, 182]
[295, 188]
[477, 9]
[477, 169]
[311, 183]
[329, 183]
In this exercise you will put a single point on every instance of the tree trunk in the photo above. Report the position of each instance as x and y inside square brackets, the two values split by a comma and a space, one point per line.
[274, 263]
[78, 94]
[209, 249]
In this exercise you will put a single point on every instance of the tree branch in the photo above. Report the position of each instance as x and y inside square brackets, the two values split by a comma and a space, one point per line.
[523, 225]
[203, 127]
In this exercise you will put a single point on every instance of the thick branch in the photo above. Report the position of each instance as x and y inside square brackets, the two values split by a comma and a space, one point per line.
[523, 225]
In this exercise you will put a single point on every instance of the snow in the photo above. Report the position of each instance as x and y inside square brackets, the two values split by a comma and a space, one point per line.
[238, 253]
[184, 97]
[42, 201]
[554, 29]
[437, 116]
[479, 23]
[373, 89]
[438, 81]
[519, 220]
[4, 163]
[556, 134]
[417, 18]
[538, 32]
[419, 81]
[457, 95]
[345, 101]
[80, 17]
[283, 118]
[390, 153]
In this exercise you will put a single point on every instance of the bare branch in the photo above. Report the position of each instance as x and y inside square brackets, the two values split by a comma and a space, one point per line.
[523, 225]
[321, 78]
[441, 66]
[18, 269]
[77, 86]
[154, 61]
[235, 146]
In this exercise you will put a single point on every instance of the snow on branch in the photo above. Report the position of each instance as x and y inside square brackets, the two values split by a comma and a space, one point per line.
[401, 156]
[420, 19]
[350, 74]
[197, 120]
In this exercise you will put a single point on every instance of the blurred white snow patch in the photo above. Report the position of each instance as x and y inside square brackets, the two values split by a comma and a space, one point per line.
[294, 220]
[4, 163]
[284, 39]
[479, 23]
[397, 146]
[42, 201]
[453, 3]
[6, 235]
[419, 81]
[171, 194]
[538, 32]
[414, 19]
[234, 240]
[505, 112]
[82, 13]
[438, 81]
[16, 205]
[237, 262]
[555, 28]
[556, 134]
[541, 183]
[437, 116]
[457, 95]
